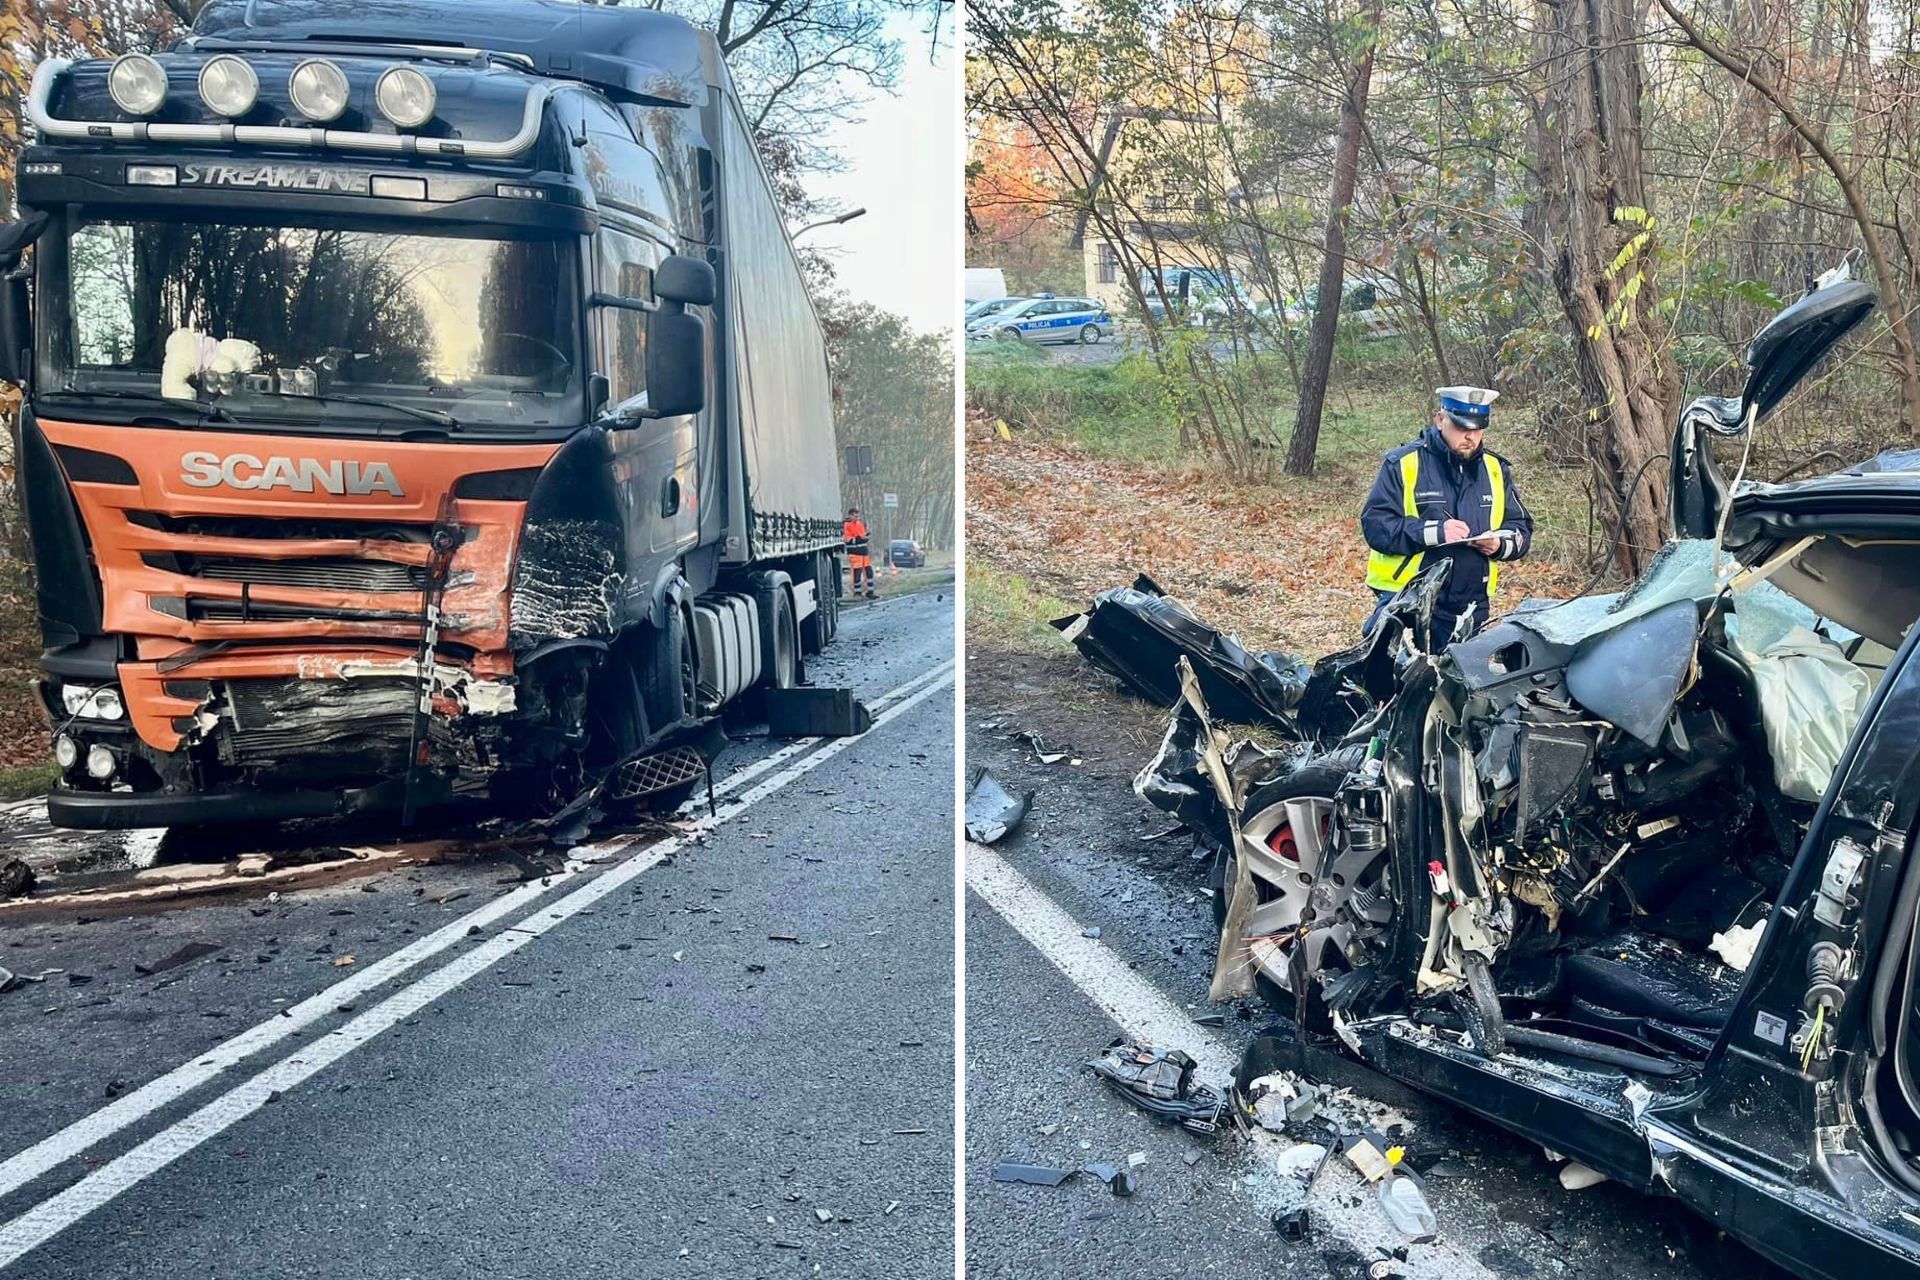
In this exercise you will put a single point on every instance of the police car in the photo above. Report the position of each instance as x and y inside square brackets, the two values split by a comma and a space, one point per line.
[1046, 320]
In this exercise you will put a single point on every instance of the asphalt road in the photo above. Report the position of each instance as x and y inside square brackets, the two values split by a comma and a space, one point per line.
[714, 1049]
[1042, 998]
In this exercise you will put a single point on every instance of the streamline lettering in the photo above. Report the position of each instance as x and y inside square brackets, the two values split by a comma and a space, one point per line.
[277, 177]
[302, 475]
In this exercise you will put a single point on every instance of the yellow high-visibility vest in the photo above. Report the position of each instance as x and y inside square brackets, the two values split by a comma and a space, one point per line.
[1389, 572]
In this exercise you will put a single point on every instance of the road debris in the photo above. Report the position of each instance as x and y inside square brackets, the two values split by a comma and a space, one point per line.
[1160, 1081]
[1280, 1100]
[1121, 1182]
[1575, 1176]
[9, 980]
[991, 811]
[16, 878]
[1036, 1175]
[191, 951]
[1406, 1206]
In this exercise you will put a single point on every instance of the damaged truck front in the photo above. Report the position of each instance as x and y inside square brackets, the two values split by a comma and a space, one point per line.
[1631, 875]
[423, 402]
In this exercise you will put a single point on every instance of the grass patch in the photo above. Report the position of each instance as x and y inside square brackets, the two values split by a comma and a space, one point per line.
[27, 780]
[1007, 612]
[1114, 410]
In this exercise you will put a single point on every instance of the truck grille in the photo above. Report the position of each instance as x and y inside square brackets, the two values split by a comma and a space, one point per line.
[331, 573]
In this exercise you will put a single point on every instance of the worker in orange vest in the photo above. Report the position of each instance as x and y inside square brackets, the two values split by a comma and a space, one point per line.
[859, 557]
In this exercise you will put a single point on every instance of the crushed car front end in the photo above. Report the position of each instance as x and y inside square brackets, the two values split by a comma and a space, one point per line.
[1630, 875]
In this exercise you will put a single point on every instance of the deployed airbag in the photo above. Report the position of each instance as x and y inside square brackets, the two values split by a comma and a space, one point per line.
[1811, 697]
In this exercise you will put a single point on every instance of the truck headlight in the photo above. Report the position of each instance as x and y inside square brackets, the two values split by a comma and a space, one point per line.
[405, 95]
[229, 86]
[100, 763]
[65, 751]
[137, 84]
[92, 704]
[319, 89]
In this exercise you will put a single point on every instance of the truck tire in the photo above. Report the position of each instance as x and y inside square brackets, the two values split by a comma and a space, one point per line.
[669, 672]
[816, 631]
[780, 653]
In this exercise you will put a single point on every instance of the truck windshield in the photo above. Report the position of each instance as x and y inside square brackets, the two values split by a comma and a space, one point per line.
[312, 324]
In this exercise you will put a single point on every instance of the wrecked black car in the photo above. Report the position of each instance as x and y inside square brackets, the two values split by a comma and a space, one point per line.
[1631, 875]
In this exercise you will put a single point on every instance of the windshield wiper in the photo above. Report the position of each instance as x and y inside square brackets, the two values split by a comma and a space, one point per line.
[434, 416]
[206, 410]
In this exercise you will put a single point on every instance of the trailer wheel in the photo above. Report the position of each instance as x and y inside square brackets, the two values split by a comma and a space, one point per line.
[669, 675]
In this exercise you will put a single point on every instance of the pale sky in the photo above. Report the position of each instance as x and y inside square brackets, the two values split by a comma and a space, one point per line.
[903, 164]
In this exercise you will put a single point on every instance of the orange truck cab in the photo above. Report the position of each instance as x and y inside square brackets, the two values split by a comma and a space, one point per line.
[422, 403]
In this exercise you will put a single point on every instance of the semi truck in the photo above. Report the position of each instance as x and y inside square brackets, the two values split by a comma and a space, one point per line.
[423, 404]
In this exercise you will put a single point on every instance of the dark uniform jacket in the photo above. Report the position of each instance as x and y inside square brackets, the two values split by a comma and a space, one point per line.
[1448, 489]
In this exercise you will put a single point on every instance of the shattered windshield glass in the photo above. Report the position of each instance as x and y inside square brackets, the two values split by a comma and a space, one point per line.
[293, 323]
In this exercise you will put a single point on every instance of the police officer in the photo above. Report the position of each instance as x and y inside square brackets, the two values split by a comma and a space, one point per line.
[1445, 494]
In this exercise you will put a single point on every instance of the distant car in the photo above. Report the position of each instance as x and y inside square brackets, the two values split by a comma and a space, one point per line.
[1373, 305]
[991, 307]
[1046, 320]
[905, 553]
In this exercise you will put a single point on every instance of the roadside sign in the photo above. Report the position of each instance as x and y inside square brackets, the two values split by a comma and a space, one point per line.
[859, 459]
[891, 500]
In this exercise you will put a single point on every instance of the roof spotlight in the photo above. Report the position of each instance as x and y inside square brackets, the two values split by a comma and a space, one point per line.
[406, 96]
[138, 84]
[319, 89]
[229, 86]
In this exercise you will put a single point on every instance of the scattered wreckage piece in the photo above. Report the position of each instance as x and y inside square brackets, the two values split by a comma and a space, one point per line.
[1631, 874]
[1137, 633]
[814, 712]
[1034, 1175]
[16, 878]
[991, 811]
[1160, 1081]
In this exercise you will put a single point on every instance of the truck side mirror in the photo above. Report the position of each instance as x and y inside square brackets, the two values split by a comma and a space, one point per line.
[676, 359]
[16, 328]
[688, 281]
[16, 316]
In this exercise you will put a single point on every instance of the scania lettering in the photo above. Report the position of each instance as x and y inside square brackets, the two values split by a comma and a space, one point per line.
[470, 445]
[244, 471]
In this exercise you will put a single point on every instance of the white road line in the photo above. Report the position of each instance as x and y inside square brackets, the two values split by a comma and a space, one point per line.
[45, 1220]
[49, 1153]
[1140, 1008]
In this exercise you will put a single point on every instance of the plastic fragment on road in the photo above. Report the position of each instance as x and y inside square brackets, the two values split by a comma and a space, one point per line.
[1120, 1181]
[1036, 1175]
[191, 951]
[1405, 1205]
[991, 811]
[1575, 1176]
[1369, 1159]
[1160, 1081]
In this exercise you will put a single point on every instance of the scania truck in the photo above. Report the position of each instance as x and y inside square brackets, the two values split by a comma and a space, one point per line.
[422, 403]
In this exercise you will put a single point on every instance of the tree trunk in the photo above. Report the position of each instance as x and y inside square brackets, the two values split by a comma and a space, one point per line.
[1333, 262]
[1590, 153]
